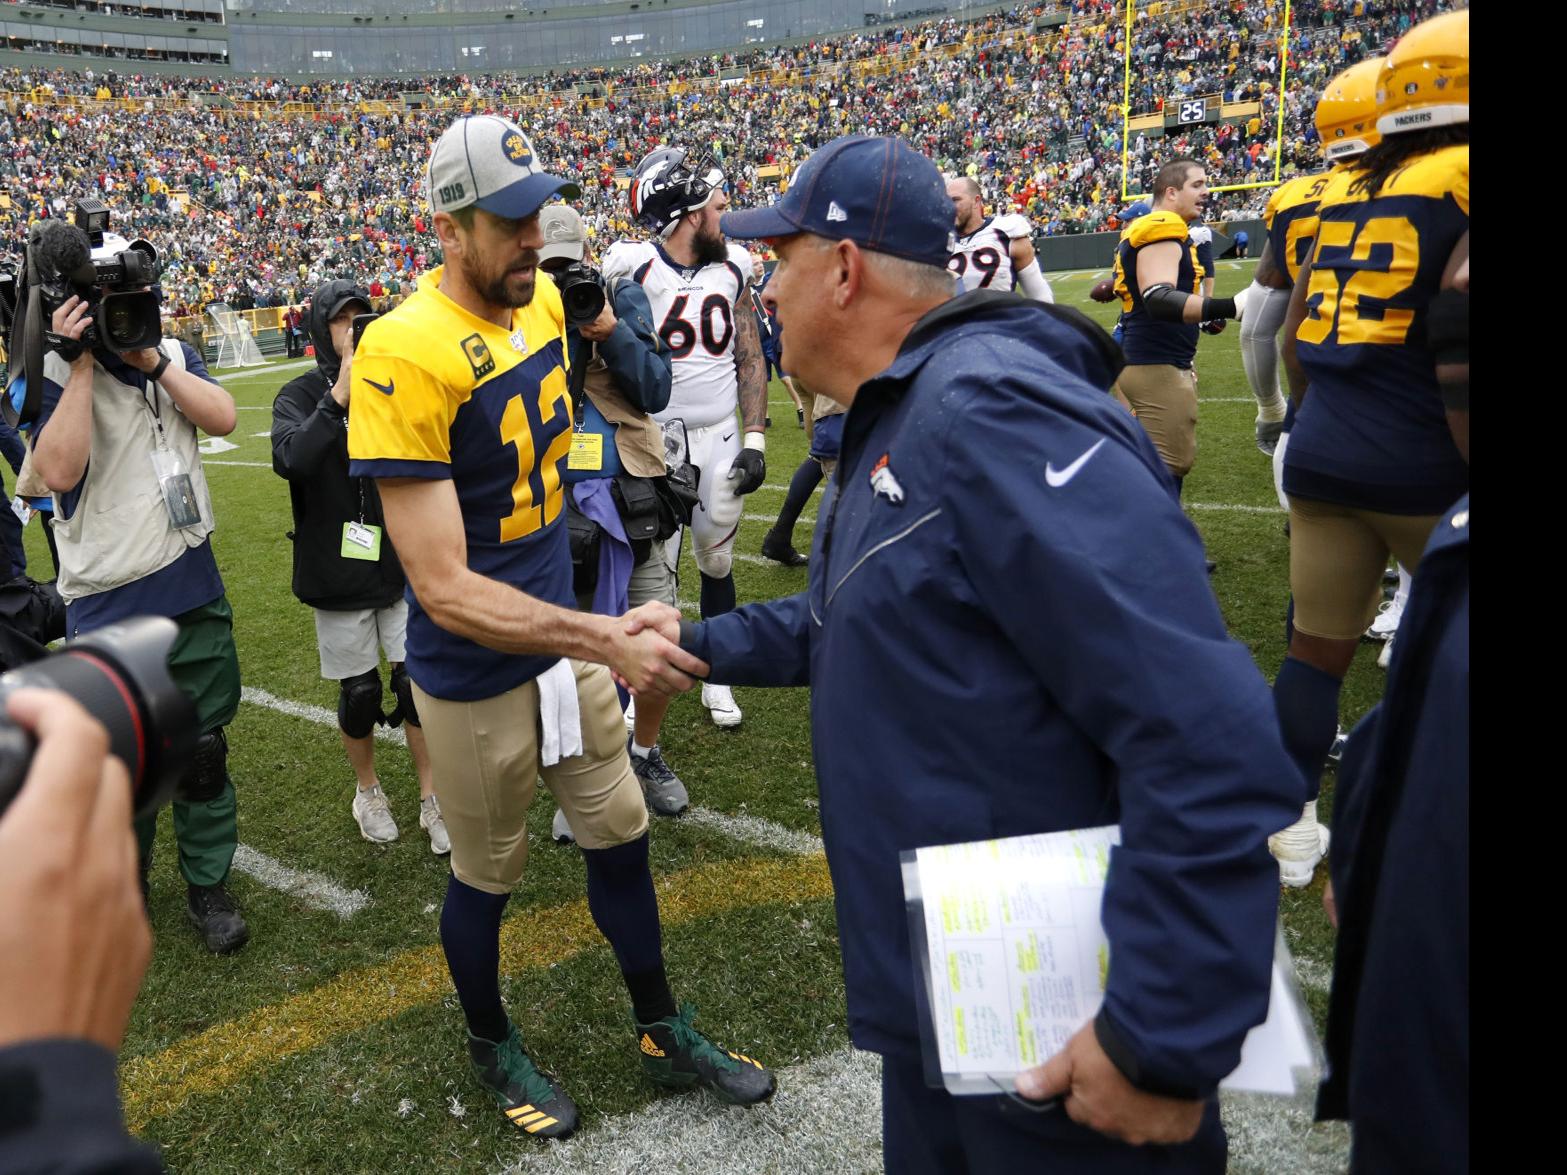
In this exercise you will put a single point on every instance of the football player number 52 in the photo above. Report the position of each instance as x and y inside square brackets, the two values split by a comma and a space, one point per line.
[1356, 271]
[536, 497]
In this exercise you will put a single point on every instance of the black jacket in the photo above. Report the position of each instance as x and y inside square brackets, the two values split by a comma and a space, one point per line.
[310, 450]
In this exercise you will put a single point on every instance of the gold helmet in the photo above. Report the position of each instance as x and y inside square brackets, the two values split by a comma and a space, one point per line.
[1347, 112]
[1425, 79]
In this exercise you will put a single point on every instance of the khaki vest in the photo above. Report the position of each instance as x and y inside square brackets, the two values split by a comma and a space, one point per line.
[638, 438]
[121, 531]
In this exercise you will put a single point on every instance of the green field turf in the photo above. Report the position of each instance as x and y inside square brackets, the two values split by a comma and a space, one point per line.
[335, 1045]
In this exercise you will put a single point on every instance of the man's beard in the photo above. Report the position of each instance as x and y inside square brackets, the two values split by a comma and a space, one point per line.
[710, 250]
[499, 292]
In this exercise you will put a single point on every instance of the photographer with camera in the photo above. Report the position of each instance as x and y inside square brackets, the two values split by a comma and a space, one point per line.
[344, 565]
[115, 440]
[620, 505]
[74, 945]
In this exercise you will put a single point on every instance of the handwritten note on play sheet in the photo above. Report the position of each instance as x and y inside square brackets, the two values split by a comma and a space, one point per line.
[1017, 960]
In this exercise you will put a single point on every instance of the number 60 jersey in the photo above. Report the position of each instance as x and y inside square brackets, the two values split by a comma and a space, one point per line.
[1374, 417]
[695, 312]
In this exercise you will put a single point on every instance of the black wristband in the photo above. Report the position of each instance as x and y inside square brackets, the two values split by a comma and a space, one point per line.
[1218, 308]
[156, 373]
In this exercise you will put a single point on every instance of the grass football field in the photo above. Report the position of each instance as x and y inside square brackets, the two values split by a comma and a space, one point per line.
[333, 1042]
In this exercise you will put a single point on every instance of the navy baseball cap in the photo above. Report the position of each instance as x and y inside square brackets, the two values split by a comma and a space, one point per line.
[880, 193]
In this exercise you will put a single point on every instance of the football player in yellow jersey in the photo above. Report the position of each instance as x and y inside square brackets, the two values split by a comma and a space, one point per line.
[463, 415]
[1345, 118]
[1158, 280]
[1372, 462]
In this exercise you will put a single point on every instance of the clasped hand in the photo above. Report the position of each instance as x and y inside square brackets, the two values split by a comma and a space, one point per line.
[645, 654]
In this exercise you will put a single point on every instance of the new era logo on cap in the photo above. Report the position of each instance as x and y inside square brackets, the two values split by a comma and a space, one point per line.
[486, 161]
[880, 193]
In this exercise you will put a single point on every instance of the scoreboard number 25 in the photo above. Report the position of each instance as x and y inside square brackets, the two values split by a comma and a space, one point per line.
[1193, 111]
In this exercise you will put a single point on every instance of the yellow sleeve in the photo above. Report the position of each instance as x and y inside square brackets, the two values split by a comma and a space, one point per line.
[1156, 227]
[400, 414]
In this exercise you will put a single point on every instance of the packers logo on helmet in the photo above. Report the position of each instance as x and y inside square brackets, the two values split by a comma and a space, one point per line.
[1346, 113]
[1425, 79]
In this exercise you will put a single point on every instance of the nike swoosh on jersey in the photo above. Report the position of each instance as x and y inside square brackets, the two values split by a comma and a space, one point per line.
[1056, 478]
[730, 437]
[385, 389]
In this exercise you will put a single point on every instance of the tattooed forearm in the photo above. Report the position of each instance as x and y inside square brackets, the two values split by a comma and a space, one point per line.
[750, 369]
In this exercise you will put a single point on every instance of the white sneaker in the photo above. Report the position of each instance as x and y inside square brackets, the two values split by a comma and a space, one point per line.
[560, 831]
[373, 815]
[721, 707]
[1385, 657]
[631, 716]
[1389, 613]
[430, 820]
[1300, 847]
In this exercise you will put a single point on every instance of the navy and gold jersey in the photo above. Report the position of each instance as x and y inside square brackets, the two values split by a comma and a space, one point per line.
[1372, 431]
[1144, 340]
[1291, 219]
[440, 393]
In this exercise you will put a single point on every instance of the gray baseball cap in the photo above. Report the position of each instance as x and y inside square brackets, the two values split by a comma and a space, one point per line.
[486, 161]
[564, 235]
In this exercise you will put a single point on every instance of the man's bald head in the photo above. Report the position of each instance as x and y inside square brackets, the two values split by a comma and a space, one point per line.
[968, 210]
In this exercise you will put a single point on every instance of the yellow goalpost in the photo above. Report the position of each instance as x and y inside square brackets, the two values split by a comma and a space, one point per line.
[1126, 111]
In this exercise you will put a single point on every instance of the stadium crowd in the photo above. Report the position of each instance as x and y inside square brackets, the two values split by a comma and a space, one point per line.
[254, 203]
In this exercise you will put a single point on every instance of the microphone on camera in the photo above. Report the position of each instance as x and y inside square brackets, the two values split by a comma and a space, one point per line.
[62, 248]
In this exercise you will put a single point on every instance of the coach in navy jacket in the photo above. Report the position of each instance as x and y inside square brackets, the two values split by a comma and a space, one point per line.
[1009, 630]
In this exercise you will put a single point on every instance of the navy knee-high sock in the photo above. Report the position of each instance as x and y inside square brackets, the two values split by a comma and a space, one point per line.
[718, 595]
[1306, 700]
[625, 909]
[801, 486]
[471, 938]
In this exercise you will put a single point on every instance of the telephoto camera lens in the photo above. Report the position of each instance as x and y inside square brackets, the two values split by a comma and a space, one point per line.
[120, 675]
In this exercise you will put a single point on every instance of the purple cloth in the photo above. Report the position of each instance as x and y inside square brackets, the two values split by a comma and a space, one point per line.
[594, 499]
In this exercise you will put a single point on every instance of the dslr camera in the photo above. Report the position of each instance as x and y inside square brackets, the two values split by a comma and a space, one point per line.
[581, 293]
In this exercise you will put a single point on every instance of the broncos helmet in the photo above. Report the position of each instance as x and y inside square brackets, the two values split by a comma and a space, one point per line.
[669, 183]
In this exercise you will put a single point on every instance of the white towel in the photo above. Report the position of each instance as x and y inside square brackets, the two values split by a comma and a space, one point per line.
[560, 718]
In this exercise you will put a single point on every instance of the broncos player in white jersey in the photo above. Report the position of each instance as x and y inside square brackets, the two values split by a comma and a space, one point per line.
[992, 252]
[698, 285]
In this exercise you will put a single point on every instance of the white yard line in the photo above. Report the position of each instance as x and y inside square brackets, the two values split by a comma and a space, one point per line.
[1232, 507]
[314, 889]
[1226, 399]
[754, 830]
[751, 830]
[826, 1116]
[320, 715]
[806, 519]
[206, 461]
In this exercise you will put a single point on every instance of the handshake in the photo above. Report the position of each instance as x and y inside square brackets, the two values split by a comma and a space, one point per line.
[642, 649]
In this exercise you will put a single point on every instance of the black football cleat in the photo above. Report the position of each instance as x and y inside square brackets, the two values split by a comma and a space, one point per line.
[779, 549]
[677, 1056]
[531, 1099]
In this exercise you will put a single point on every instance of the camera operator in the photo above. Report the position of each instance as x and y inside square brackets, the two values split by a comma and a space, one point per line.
[115, 442]
[74, 944]
[620, 373]
[344, 565]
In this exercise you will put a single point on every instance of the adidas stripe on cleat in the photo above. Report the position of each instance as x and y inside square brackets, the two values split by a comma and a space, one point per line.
[677, 1056]
[530, 1098]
